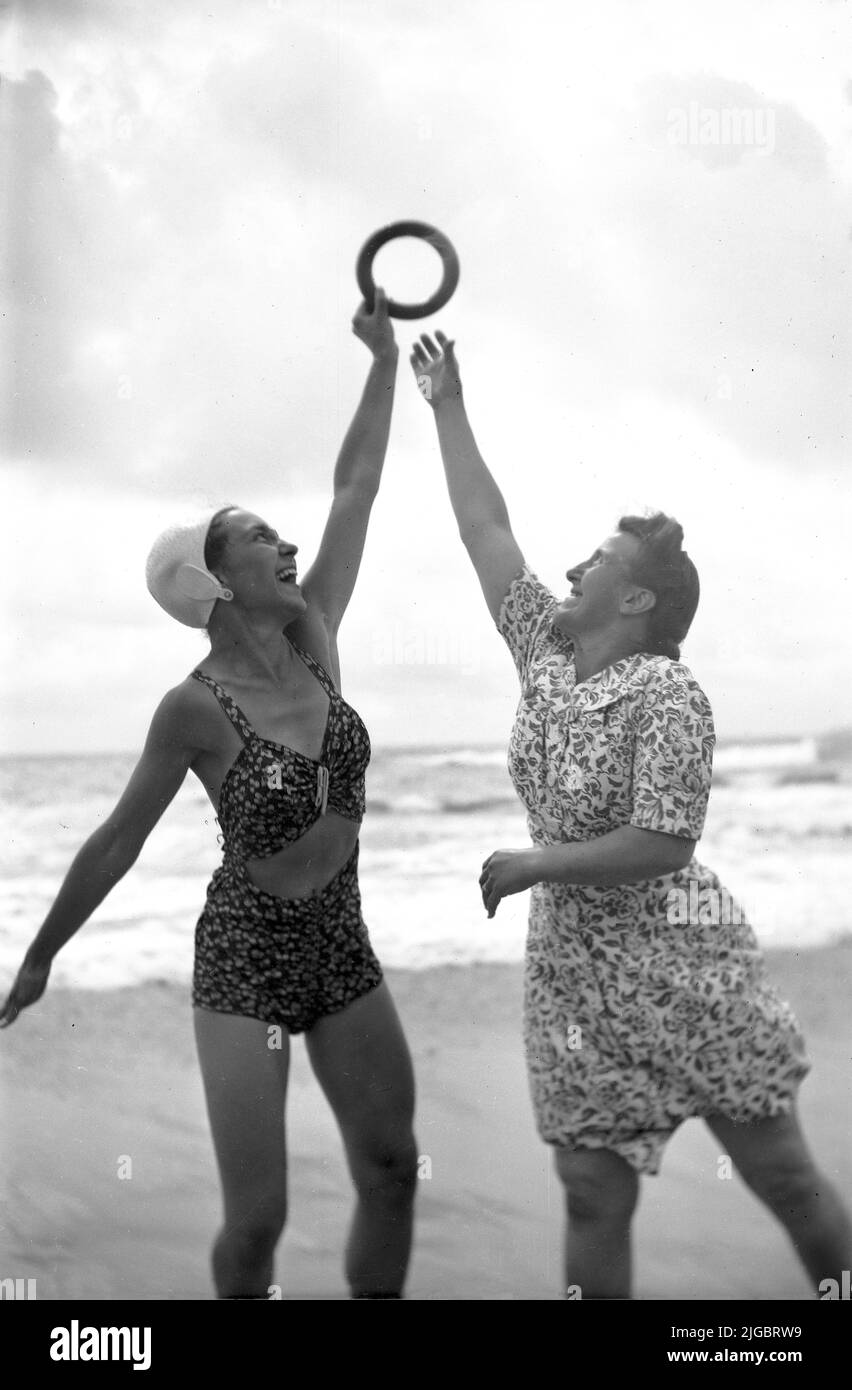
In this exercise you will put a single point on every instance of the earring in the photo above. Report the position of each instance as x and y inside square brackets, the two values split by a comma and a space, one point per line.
[227, 594]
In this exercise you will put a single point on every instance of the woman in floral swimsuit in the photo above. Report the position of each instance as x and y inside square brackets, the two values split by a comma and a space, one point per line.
[646, 997]
[281, 946]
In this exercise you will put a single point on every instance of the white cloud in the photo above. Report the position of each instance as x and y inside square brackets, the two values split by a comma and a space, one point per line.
[639, 323]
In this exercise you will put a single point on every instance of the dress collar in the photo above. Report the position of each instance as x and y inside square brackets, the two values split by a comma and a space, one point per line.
[599, 690]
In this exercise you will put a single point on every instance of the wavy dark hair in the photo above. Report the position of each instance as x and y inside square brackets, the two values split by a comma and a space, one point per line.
[663, 566]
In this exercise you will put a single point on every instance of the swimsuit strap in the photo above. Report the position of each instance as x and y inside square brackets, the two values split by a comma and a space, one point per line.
[230, 707]
[319, 671]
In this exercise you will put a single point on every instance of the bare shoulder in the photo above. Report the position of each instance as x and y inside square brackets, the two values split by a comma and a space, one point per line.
[186, 717]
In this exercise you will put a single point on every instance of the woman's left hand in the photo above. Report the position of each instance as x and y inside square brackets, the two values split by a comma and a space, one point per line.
[507, 871]
[375, 329]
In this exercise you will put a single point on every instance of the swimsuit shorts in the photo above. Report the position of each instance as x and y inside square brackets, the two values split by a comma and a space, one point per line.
[287, 961]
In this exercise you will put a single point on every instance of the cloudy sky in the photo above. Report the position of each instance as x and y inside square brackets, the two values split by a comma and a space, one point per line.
[654, 311]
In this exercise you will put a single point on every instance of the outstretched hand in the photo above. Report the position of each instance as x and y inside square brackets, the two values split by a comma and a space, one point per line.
[436, 369]
[29, 986]
[375, 329]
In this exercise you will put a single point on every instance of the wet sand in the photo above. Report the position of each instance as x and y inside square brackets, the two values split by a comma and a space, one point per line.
[86, 1077]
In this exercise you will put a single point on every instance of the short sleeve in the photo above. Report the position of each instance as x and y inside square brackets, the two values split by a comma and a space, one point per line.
[524, 613]
[673, 758]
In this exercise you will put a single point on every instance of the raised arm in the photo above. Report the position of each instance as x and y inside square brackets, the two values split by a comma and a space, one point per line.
[478, 504]
[110, 851]
[329, 583]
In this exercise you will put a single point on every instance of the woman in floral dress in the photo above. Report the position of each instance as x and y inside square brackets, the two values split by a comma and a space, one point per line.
[646, 996]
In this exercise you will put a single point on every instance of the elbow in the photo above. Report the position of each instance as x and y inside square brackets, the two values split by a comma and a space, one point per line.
[358, 494]
[368, 488]
[478, 530]
[660, 853]
[468, 531]
[115, 849]
[680, 854]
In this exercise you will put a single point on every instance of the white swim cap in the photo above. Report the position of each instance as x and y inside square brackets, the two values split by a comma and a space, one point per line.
[177, 576]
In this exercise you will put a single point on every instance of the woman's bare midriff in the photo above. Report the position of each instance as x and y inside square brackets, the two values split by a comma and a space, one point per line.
[309, 863]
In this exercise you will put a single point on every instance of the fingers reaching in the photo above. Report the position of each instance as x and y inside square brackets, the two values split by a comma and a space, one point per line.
[431, 350]
[442, 350]
[447, 345]
[435, 368]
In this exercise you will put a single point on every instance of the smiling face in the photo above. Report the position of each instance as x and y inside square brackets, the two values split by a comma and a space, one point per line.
[602, 590]
[259, 567]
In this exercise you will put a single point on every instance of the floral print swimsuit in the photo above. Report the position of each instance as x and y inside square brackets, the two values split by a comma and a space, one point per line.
[287, 961]
[636, 1016]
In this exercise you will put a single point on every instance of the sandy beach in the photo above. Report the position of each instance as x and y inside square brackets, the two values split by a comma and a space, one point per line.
[90, 1076]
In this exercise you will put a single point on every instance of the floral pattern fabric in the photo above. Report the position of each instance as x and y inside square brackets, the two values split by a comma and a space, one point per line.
[288, 961]
[272, 794]
[643, 1005]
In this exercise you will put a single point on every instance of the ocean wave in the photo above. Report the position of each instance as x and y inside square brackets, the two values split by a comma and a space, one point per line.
[451, 806]
[413, 805]
[808, 832]
[766, 753]
[458, 757]
[804, 776]
[783, 852]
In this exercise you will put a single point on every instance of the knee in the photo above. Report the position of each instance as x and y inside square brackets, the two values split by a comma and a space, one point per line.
[386, 1167]
[602, 1188]
[256, 1231]
[785, 1187]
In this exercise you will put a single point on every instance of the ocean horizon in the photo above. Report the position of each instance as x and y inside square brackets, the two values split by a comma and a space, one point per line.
[795, 745]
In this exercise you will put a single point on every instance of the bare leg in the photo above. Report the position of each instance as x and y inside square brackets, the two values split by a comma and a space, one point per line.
[361, 1060]
[772, 1157]
[601, 1191]
[245, 1082]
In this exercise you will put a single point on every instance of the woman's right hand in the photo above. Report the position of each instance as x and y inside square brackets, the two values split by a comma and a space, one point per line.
[29, 986]
[436, 370]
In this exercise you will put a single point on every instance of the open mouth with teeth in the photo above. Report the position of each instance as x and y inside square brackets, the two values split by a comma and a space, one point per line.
[286, 575]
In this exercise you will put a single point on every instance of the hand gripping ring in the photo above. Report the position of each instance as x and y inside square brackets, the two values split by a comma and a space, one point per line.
[364, 268]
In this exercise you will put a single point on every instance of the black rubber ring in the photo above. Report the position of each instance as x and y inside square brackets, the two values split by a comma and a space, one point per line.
[445, 249]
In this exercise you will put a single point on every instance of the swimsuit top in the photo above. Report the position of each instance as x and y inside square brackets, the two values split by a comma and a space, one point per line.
[271, 794]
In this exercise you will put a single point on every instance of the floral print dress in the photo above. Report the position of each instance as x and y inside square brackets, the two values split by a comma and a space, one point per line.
[648, 1003]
